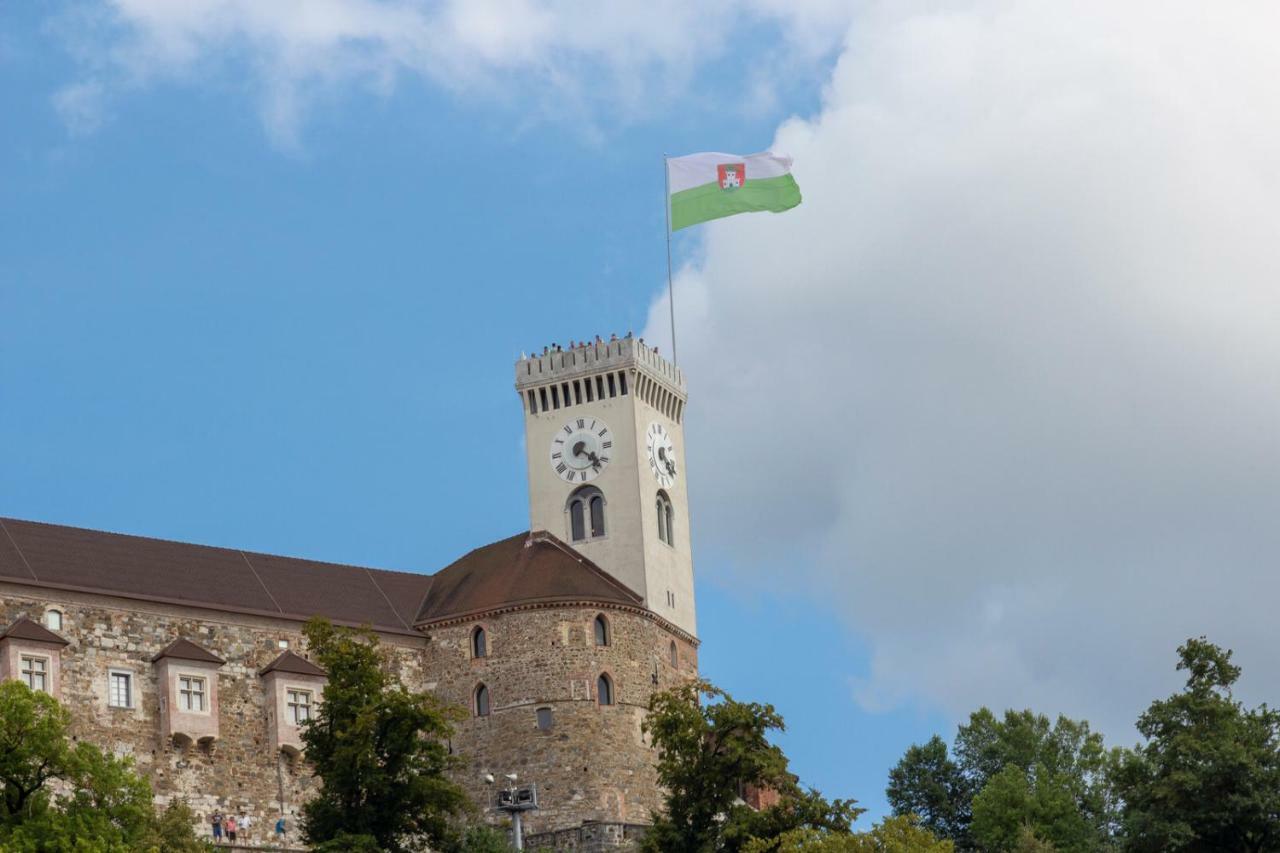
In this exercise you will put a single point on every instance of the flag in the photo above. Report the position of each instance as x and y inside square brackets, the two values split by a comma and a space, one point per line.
[711, 185]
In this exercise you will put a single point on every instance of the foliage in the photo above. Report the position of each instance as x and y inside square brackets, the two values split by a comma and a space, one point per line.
[707, 753]
[101, 803]
[902, 834]
[481, 838]
[379, 750]
[928, 784]
[1029, 842]
[1009, 772]
[1208, 777]
[172, 833]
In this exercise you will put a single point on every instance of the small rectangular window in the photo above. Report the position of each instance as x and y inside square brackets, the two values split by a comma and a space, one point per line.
[35, 673]
[613, 389]
[533, 402]
[555, 397]
[622, 382]
[542, 394]
[586, 386]
[577, 392]
[191, 693]
[568, 401]
[299, 702]
[544, 719]
[599, 387]
[120, 689]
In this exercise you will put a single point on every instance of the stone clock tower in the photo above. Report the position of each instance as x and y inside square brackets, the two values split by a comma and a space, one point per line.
[605, 443]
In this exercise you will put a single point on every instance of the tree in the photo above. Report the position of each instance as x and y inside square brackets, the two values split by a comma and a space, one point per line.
[707, 753]
[1208, 777]
[901, 834]
[1008, 772]
[928, 784]
[379, 750]
[100, 804]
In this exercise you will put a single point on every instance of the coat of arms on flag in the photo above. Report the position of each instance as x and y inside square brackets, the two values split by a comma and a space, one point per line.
[732, 175]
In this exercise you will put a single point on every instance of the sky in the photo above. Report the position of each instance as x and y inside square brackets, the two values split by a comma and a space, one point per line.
[990, 419]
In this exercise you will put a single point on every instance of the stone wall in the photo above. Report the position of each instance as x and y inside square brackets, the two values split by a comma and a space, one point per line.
[239, 771]
[593, 764]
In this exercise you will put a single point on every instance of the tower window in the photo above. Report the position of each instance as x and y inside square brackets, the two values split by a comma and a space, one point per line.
[599, 387]
[613, 388]
[542, 393]
[604, 690]
[577, 392]
[587, 386]
[544, 719]
[622, 382]
[675, 655]
[555, 397]
[479, 643]
[666, 518]
[568, 401]
[482, 701]
[586, 514]
[533, 402]
[602, 630]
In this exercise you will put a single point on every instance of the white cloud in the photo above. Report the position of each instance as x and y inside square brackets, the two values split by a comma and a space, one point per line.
[80, 106]
[551, 57]
[1008, 379]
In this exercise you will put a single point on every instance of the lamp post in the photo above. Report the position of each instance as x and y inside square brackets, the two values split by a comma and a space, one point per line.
[515, 800]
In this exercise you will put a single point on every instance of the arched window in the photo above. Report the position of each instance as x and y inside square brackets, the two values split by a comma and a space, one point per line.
[482, 701]
[666, 519]
[53, 620]
[586, 514]
[675, 655]
[602, 630]
[479, 643]
[604, 690]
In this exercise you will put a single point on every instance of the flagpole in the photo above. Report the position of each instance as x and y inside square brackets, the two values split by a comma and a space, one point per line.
[671, 293]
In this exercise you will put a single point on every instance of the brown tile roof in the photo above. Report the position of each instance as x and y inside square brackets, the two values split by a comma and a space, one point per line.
[27, 629]
[523, 569]
[187, 650]
[295, 663]
[72, 558]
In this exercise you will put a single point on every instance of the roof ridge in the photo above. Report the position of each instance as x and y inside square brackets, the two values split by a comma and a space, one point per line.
[587, 562]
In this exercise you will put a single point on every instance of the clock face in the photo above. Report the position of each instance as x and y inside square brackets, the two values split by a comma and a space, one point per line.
[580, 450]
[662, 454]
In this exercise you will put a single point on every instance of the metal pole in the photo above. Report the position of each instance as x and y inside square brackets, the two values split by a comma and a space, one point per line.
[517, 830]
[671, 293]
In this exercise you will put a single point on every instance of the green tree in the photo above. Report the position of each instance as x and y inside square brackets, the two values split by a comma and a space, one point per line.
[928, 784]
[1208, 777]
[1010, 771]
[707, 752]
[379, 750]
[100, 804]
[900, 834]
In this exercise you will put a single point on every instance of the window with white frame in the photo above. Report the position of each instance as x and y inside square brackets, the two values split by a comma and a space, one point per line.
[53, 620]
[299, 704]
[191, 693]
[35, 672]
[120, 689]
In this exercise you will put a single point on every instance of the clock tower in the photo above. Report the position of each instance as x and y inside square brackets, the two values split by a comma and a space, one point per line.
[604, 438]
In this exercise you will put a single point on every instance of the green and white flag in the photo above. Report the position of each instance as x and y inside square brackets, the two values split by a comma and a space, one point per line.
[711, 185]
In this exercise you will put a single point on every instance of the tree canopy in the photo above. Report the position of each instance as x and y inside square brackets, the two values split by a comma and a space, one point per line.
[59, 798]
[380, 751]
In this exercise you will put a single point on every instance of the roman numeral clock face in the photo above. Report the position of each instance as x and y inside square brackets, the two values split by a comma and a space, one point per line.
[662, 454]
[580, 450]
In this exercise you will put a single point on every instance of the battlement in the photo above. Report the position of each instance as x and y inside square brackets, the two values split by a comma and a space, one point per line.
[594, 357]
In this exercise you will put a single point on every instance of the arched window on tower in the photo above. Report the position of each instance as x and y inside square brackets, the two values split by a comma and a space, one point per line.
[482, 701]
[666, 519]
[604, 690]
[602, 630]
[675, 655]
[479, 643]
[585, 508]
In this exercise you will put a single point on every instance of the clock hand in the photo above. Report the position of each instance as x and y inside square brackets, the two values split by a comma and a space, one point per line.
[578, 447]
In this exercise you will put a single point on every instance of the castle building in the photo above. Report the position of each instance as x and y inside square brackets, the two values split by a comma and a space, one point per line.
[191, 658]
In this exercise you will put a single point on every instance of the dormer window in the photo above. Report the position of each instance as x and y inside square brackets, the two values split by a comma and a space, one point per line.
[30, 653]
[295, 693]
[299, 706]
[35, 672]
[191, 693]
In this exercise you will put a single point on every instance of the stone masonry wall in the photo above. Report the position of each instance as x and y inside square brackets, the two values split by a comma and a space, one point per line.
[593, 764]
[239, 772]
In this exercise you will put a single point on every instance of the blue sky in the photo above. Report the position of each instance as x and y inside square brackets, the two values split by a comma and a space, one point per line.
[214, 337]
[989, 419]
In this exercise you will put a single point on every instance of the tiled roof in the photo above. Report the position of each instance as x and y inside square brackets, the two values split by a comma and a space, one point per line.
[200, 575]
[187, 650]
[524, 569]
[27, 629]
[527, 568]
[295, 663]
